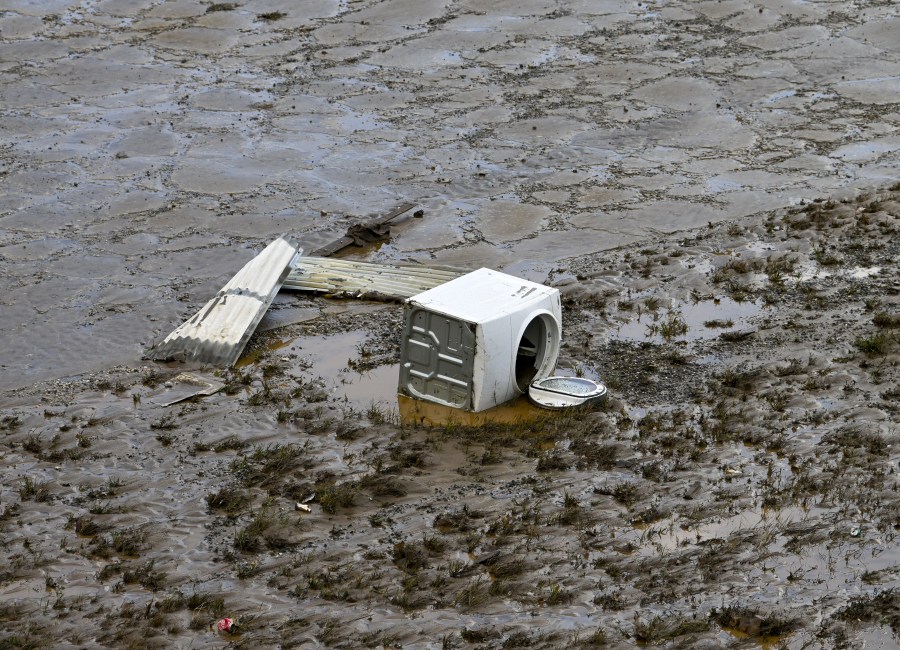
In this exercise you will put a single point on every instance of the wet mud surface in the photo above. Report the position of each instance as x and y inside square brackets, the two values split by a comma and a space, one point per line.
[739, 490]
[711, 186]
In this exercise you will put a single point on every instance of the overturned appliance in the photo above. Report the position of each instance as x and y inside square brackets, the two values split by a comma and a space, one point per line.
[479, 340]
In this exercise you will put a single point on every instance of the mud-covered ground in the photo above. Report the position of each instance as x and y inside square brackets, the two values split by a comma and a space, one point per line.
[697, 179]
[739, 490]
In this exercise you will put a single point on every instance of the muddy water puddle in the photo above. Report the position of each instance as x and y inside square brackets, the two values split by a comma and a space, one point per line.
[336, 361]
[687, 321]
[430, 414]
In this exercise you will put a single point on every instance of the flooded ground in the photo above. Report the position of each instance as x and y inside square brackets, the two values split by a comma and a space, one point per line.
[712, 187]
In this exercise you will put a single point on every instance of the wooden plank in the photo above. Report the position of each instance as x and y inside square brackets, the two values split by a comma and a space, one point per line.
[346, 277]
[347, 240]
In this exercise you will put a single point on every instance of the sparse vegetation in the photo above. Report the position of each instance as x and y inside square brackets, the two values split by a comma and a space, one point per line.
[753, 622]
[32, 490]
[266, 466]
[771, 442]
[271, 16]
[332, 496]
[886, 320]
[875, 345]
[659, 629]
[231, 501]
[718, 324]
[221, 6]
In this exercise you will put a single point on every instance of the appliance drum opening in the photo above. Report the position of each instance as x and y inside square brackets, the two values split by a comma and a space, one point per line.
[532, 350]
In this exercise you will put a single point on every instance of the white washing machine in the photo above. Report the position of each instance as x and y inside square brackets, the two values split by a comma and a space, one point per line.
[479, 340]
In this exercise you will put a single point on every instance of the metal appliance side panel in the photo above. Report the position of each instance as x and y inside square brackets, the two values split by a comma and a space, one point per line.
[437, 358]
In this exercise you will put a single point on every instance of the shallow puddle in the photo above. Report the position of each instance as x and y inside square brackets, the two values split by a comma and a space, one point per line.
[688, 321]
[335, 359]
[430, 414]
[253, 356]
[764, 642]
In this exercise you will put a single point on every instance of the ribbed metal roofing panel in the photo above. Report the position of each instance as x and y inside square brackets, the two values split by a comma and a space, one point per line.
[344, 277]
[218, 332]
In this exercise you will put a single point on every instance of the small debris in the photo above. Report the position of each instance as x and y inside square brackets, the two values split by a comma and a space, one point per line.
[302, 507]
[225, 625]
[361, 234]
[185, 386]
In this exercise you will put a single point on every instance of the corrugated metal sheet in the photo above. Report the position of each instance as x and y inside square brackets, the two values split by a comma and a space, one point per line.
[363, 279]
[218, 332]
